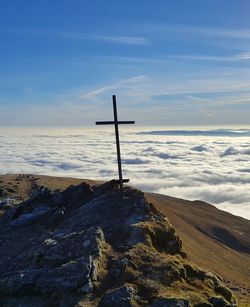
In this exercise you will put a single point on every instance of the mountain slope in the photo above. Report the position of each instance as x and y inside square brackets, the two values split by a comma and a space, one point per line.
[212, 238]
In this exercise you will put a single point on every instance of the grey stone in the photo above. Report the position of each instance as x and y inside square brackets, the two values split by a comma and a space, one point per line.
[50, 242]
[76, 196]
[87, 287]
[2, 192]
[218, 302]
[29, 218]
[39, 195]
[122, 297]
[86, 243]
[57, 199]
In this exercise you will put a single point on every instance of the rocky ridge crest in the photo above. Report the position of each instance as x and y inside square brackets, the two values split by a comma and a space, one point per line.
[96, 246]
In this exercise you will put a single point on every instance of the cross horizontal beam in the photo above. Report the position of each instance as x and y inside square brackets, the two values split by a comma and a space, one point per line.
[113, 122]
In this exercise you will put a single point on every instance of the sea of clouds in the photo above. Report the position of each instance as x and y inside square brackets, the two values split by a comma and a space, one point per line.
[212, 165]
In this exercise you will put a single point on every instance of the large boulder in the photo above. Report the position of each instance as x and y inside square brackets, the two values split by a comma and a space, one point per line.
[31, 217]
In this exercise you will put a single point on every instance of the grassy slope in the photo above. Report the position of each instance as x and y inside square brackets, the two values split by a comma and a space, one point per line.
[213, 239]
[224, 251]
[20, 185]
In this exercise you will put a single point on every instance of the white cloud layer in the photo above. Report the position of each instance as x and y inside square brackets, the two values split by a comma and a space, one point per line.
[212, 166]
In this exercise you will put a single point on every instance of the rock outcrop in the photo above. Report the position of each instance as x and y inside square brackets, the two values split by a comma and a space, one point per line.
[96, 246]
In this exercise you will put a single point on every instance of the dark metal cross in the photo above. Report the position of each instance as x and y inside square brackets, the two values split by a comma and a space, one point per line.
[116, 123]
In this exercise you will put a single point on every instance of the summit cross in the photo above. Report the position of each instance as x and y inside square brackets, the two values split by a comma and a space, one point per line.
[116, 123]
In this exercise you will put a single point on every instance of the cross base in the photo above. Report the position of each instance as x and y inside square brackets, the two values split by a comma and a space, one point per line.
[123, 180]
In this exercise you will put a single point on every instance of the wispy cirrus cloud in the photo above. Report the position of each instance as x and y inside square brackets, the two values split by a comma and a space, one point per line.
[196, 57]
[232, 90]
[128, 40]
[209, 31]
[78, 35]
[236, 33]
[116, 85]
[206, 99]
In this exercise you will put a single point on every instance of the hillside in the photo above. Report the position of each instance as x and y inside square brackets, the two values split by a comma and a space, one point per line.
[212, 239]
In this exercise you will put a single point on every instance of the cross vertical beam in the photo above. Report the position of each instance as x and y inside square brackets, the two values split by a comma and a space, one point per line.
[117, 142]
[116, 123]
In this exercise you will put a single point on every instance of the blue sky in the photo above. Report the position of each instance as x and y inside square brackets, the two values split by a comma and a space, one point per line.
[169, 62]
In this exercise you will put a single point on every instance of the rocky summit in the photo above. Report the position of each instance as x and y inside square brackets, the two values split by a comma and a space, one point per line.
[98, 246]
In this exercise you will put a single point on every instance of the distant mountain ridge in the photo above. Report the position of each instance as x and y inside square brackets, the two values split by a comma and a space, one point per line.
[213, 132]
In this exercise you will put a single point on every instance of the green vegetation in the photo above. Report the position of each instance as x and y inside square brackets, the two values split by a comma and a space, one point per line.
[163, 275]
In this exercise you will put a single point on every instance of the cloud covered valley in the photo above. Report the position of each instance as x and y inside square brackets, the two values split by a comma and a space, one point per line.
[209, 165]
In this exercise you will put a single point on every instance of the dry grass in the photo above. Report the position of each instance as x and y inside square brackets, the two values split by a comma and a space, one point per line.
[18, 185]
[164, 275]
[195, 223]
